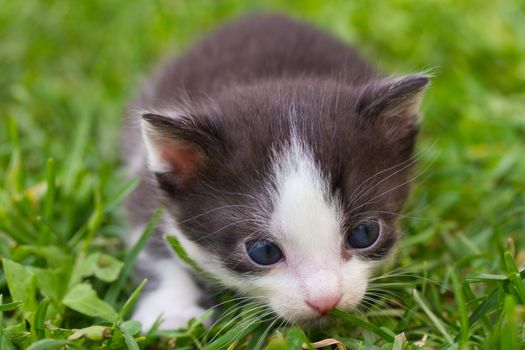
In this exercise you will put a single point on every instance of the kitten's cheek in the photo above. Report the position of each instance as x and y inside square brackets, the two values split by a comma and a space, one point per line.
[353, 298]
[355, 284]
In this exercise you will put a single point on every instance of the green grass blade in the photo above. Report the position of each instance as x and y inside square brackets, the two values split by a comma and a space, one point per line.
[95, 220]
[131, 257]
[46, 234]
[21, 224]
[256, 339]
[237, 333]
[76, 159]
[509, 327]
[40, 317]
[488, 304]
[10, 306]
[117, 198]
[2, 321]
[129, 339]
[179, 250]
[462, 307]
[128, 305]
[46, 344]
[51, 188]
[356, 321]
[518, 289]
[435, 320]
[14, 175]
[485, 277]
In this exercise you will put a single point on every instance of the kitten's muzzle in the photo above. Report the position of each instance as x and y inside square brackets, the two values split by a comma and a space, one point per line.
[322, 290]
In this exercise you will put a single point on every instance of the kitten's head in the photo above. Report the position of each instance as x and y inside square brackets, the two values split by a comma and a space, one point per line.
[289, 192]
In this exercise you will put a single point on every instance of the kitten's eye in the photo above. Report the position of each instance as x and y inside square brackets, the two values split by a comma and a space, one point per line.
[263, 252]
[363, 235]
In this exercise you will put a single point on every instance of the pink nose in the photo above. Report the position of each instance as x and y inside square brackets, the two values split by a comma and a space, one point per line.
[324, 303]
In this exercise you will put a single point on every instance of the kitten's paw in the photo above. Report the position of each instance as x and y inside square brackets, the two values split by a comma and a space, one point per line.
[170, 317]
[174, 299]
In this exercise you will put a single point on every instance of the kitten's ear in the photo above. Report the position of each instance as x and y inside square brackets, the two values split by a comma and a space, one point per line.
[178, 145]
[393, 104]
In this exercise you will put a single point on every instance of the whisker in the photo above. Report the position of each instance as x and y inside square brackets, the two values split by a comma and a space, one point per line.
[246, 313]
[363, 190]
[235, 308]
[232, 193]
[390, 190]
[223, 228]
[392, 213]
[426, 279]
[353, 197]
[265, 333]
[214, 210]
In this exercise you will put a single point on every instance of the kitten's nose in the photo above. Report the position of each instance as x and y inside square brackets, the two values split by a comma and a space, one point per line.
[324, 303]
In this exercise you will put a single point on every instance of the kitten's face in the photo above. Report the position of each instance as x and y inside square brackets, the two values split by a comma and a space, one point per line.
[291, 195]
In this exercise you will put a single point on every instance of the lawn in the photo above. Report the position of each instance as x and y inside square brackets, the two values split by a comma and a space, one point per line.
[67, 70]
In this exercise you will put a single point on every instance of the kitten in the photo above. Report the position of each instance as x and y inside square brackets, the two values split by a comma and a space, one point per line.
[282, 159]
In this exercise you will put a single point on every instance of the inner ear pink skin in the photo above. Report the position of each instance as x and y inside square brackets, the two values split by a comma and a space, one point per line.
[183, 159]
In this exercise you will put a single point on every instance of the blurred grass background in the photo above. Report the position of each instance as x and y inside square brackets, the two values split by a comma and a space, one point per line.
[67, 69]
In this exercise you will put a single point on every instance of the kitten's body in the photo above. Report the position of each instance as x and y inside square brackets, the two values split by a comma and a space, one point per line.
[268, 130]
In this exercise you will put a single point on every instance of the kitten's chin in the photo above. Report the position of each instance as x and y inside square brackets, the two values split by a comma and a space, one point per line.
[313, 322]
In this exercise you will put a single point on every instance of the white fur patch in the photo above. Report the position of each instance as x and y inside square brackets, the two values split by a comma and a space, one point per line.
[174, 300]
[305, 215]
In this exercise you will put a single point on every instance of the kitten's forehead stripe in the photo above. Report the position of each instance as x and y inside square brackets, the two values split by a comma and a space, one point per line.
[308, 218]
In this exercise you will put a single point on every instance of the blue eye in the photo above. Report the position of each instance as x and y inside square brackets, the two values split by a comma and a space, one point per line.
[363, 235]
[263, 252]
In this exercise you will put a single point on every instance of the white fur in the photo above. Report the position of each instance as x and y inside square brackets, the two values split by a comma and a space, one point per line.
[156, 163]
[174, 300]
[305, 217]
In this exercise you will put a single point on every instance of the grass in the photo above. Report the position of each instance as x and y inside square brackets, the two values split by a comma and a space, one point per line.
[67, 70]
